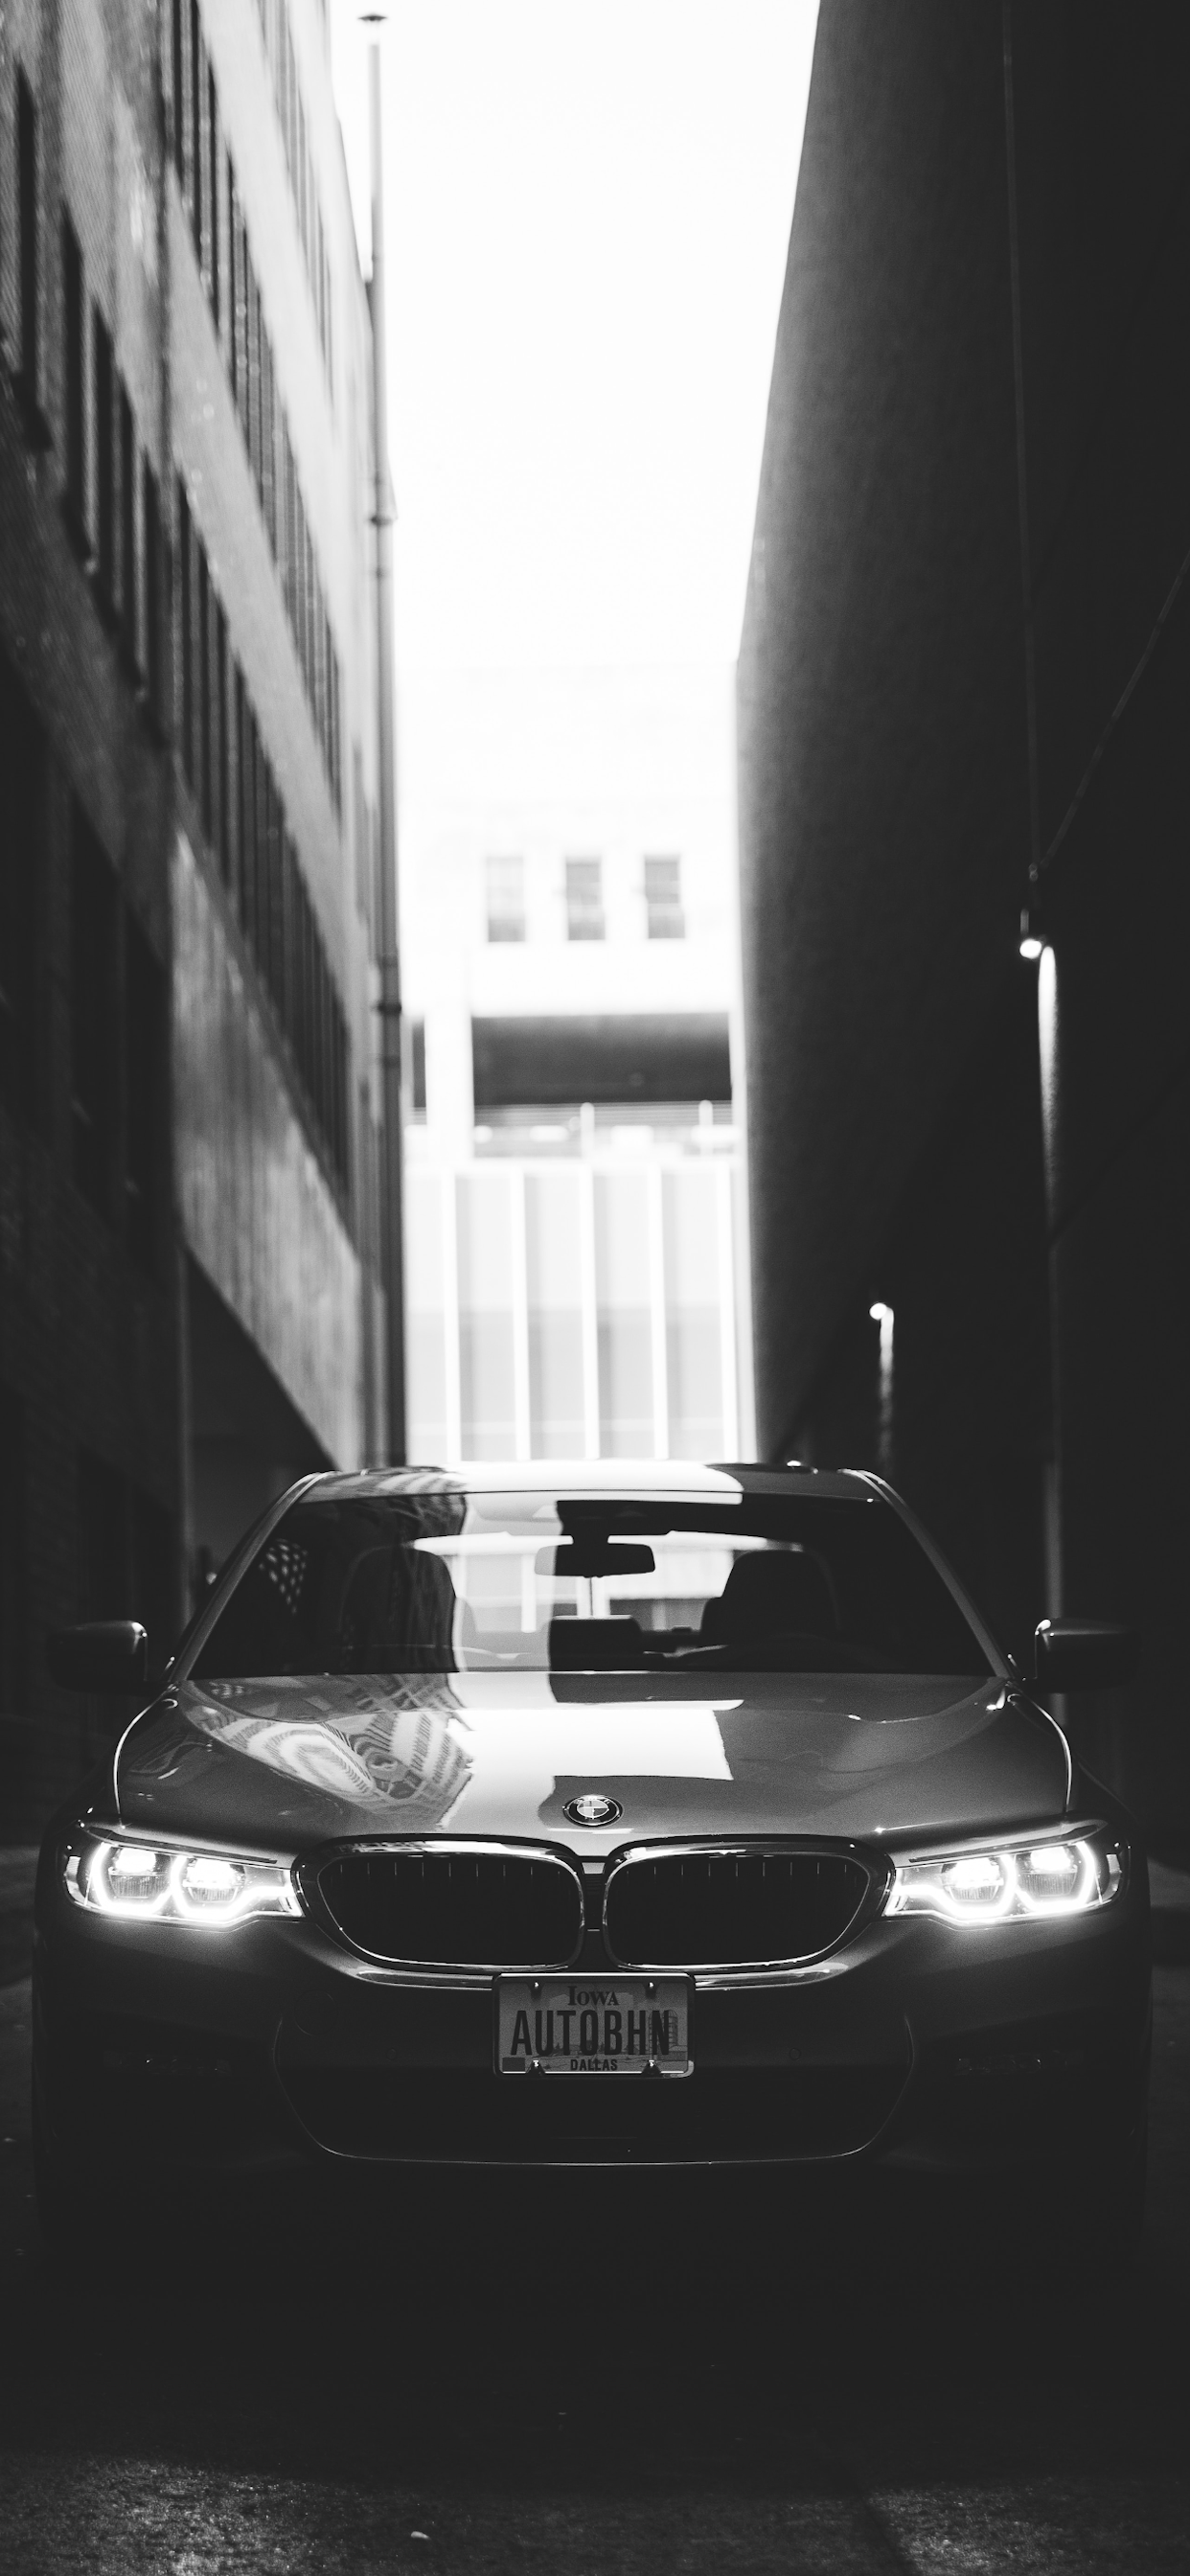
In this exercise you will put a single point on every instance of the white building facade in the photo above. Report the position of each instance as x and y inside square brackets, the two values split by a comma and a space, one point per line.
[576, 1271]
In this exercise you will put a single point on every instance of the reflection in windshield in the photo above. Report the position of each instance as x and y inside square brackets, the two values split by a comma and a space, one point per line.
[448, 1582]
[382, 1742]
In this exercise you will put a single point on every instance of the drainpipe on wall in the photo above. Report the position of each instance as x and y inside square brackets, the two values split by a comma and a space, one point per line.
[392, 1214]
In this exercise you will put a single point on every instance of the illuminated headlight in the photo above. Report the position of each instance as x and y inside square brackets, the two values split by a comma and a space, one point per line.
[144, 1883]
[1088, 1869]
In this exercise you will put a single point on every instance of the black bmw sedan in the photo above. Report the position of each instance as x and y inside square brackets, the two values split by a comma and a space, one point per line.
[652, 1816]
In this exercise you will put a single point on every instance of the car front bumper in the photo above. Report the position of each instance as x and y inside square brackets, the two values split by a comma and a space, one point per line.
[269, 2047]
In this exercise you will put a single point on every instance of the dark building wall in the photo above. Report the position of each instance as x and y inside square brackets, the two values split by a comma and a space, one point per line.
[89, 1433]
[1105, 270]
[895, 1093]
[963, 1267]
[880, 822]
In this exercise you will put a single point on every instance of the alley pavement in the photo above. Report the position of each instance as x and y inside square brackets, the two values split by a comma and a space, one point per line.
[603, 2381]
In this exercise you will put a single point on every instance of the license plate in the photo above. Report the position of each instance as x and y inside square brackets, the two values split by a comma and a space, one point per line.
[593, 2025]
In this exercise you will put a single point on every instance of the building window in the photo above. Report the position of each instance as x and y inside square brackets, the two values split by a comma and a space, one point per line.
[207, 177]
[144, 1024]
[213, 192]
[186, 629]
[198, 67]
[253, 376]
[105, 464]
[663, 899]
[584, 899]
[243, 821]
[179, 91]
[506, 898]
[245, 799]
[302, 178]
[205, 761]
[271, 942]
[128, 636]
[93, 1027]
[268, 436]
[223, 800]
[27, 249]
[73, 326]
[233, 304]
[154, 675]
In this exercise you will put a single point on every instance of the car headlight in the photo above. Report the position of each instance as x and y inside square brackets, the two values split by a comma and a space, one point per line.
[1083, 1870]
[141, 1882]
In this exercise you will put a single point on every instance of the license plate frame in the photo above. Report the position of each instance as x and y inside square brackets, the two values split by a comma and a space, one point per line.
[544, 2003]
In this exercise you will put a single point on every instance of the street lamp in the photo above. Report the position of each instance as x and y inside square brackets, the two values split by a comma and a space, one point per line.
[883, 1315]
[389, 1005]
[1037, 950]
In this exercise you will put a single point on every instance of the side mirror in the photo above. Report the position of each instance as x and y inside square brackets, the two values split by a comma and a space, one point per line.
[1085, 1654]
[101, 1655]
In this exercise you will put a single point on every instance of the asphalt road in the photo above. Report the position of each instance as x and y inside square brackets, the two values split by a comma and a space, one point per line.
[571, 2380]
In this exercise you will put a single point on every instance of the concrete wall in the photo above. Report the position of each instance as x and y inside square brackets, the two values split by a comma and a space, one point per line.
[1038, 1270]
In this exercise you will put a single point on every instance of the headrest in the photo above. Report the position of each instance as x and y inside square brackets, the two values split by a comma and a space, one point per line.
[772, 1592]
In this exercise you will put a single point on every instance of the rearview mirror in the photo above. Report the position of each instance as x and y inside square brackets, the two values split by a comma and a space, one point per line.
[1085, 1654]
[100, 1655]
[593, 1554]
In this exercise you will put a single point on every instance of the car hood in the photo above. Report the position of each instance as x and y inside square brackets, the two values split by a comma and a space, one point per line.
[287, 1764]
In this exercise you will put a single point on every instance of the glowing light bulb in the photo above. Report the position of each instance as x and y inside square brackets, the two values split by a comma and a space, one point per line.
[1031, 943]
[209, 1881]
[134, 1862]
[976, 1879]
[1054, 1861]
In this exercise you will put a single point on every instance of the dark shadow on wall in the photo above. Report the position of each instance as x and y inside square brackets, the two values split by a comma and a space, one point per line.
[247, 1440]
[1041, 1369]
[964, 1271]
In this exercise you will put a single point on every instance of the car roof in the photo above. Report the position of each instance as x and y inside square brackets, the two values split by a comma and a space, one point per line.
[618, 1479]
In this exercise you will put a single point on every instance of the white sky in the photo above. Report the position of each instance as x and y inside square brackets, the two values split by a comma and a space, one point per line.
[588, 209]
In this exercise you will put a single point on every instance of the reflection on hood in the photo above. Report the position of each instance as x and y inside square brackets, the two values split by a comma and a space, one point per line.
[291, 1762]
[382, 1741]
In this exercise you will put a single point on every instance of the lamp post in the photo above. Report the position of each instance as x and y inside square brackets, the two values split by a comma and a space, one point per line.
[392, 1220]
[883, 1315]
[1037, 950]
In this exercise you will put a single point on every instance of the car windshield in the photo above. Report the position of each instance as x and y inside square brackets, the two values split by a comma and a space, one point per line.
[488, 1582]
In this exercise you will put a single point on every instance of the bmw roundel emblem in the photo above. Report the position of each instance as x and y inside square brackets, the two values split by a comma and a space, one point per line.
[592, 1810]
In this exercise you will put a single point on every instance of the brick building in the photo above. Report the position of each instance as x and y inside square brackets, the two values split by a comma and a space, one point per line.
[190, 1309]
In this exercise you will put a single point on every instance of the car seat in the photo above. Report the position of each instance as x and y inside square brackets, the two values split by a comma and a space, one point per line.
[771, 1592]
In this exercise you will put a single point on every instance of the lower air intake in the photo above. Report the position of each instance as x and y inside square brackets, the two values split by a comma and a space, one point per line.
[455, 1906]
[730, 1909]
